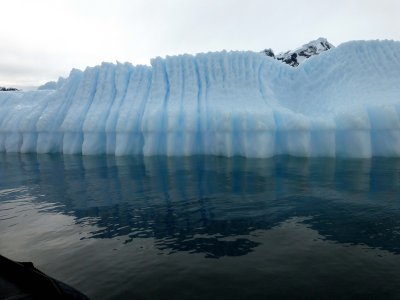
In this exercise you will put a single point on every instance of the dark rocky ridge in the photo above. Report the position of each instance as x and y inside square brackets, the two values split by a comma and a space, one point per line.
[4, 89]
[299, 55]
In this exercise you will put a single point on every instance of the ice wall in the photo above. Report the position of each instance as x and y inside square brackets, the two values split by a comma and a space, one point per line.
[343, 102]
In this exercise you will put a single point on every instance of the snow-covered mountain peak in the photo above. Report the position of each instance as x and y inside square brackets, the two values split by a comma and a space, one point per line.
[299, 55]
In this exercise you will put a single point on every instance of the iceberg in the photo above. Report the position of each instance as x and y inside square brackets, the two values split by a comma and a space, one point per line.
[344, 102]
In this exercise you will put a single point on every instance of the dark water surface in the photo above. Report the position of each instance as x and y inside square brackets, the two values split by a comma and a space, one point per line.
[205, 227]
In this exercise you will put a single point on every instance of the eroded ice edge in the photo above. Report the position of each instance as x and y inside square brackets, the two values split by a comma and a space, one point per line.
[344, 102]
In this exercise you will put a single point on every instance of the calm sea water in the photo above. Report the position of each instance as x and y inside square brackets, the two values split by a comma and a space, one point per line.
[205, 227]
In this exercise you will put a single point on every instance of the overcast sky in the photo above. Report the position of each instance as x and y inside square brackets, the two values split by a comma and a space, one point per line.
[44, 39]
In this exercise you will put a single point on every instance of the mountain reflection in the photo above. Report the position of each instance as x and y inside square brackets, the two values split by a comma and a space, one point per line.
[214, 205]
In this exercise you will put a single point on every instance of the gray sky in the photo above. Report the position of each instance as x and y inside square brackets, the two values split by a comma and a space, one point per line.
[44, 39]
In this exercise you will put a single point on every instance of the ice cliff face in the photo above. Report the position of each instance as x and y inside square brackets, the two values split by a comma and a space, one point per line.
[344, 102]
[299, 55]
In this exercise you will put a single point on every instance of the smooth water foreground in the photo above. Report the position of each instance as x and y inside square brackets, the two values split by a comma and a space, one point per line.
[205, 227]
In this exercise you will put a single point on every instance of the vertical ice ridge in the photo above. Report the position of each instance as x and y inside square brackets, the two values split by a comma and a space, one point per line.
[53, 116]
[385, 130]
[203, 125]
[161, 145]
[154, 119]
[20, 119]
[266, 96]
[200, 87]
[76, 113]
[188, 121]
[73, 122]
[122, 78]
[4, 111]
[353, 134]
[94, 136]
[148, 81]
[129, 136]
[8, 102]
[173, 105]
[50, 137]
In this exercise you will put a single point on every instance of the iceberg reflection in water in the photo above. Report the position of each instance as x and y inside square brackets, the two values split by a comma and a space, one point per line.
[146, 226]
